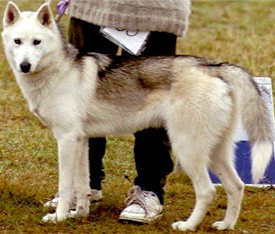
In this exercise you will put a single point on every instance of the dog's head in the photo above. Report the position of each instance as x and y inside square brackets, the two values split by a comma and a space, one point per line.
[28, 37]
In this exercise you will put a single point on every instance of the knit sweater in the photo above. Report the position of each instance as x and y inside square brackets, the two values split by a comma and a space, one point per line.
[170, 16]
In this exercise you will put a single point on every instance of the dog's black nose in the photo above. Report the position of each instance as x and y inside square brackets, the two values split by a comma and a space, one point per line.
[25, 67]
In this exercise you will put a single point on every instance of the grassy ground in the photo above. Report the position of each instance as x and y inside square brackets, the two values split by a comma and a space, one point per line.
[241, 32]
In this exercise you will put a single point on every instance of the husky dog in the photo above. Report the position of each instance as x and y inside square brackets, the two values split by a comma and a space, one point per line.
[80, 96]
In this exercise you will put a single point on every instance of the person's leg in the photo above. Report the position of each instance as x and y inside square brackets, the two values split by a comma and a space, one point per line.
[87, 38]
[153, 161]
[160, 43]
[152, 156]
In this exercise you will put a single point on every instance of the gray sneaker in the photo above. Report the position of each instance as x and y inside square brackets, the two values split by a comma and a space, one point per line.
[141, 206]
[96, 196]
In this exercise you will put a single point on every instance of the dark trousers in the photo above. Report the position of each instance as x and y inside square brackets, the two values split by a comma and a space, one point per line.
[152, 157]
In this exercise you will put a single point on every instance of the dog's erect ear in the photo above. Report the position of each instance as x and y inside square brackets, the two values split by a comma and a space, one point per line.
[11, 15]
[44, 15]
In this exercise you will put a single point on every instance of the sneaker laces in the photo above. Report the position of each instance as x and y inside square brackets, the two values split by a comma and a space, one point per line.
[139, 197]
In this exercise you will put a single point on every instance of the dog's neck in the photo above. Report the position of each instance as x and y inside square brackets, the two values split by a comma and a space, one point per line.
[36, 86]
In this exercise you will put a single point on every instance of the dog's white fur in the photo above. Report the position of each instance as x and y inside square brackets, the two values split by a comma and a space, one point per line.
[199, 104]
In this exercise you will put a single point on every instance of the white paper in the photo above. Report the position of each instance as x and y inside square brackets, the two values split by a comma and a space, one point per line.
[131, 41]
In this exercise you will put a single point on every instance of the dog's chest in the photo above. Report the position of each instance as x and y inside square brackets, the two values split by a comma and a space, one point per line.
[42, 118]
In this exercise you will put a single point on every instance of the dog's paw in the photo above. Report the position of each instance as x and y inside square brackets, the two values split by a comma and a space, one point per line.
[221, 225]
[50, 218]
[53, 217]
[183, 226]
[72, 214]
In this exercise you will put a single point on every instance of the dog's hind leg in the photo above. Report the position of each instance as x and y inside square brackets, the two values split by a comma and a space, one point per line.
[223, 166]
[199, 114]
[193, 159]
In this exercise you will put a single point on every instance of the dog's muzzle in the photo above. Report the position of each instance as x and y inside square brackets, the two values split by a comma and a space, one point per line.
[25, 67]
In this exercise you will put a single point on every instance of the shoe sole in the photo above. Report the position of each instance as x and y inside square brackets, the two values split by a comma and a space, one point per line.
[139, 221]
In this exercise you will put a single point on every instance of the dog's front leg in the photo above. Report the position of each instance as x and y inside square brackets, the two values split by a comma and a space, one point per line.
[81, 185]
[67, 155]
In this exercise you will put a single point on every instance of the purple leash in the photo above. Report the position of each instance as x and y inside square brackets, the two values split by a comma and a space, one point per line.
[61, 8]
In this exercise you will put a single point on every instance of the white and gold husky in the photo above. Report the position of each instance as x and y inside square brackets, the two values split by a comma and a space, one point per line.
[80, 96]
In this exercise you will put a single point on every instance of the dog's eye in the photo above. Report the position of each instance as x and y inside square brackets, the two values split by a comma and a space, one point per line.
[36, 42]
[17, 41]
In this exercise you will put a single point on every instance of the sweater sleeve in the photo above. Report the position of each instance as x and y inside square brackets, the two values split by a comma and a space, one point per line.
[170, 16]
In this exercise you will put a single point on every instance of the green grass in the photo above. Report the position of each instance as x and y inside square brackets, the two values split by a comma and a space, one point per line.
[240, 32]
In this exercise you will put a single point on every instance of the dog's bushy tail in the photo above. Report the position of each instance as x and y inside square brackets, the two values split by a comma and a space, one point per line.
[255, 118]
